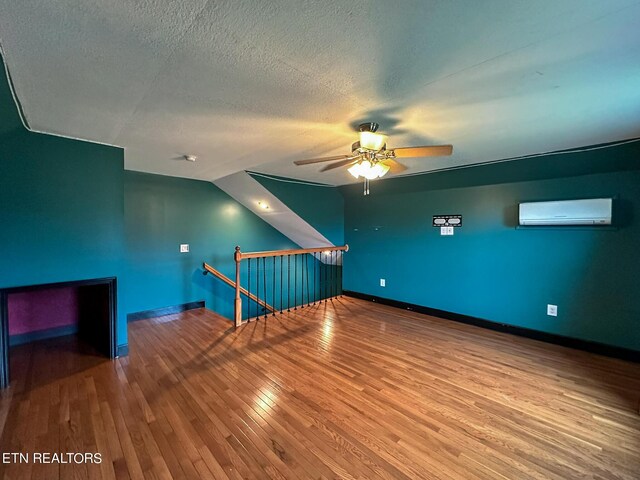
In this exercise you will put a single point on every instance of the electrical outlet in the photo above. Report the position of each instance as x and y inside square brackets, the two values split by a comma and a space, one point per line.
[552, 310]
[446, 230]
[383, 282]
[184, 248]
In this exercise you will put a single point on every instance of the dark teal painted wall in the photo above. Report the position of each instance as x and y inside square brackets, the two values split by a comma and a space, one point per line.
[320, 206]
[69, 211]
[63, 217]
[163, 212]
[492, 270]
[61, 207]
[9, 119]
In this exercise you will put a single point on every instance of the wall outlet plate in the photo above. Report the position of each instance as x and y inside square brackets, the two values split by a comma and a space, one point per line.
[184, 248]
[552, 310]
[446, 230]
[383, 282]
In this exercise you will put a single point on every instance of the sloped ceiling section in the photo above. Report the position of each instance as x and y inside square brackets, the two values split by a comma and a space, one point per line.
[252, 85]
[246, 190]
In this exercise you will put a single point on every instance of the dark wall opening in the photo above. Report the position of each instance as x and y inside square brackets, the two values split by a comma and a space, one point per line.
[45, 313]
[32, 313]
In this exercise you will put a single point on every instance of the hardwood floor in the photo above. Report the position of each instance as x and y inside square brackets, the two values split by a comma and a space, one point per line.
[344, 390]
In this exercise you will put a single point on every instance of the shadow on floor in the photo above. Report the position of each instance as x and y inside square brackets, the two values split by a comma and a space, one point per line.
[33, 365]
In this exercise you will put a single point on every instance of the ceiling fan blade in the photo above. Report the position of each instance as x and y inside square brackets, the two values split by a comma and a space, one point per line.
[319, 160]
[342, 163]
[430, 151]
[394, 166]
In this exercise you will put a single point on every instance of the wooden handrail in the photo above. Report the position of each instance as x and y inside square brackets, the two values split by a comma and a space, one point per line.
[231, 283]
[238, 256]
[276, 253]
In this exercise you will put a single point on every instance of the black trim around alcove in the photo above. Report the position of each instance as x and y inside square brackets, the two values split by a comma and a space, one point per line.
[585, 345]
[109, 349]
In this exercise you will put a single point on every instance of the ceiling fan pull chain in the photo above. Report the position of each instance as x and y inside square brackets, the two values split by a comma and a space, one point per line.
[366, 186]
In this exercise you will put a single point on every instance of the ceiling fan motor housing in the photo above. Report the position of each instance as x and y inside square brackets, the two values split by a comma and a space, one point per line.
[368, 127]
[356, 148]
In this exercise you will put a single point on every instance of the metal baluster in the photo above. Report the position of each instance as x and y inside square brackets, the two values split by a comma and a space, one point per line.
[306, 276]
[264, 275]
[302, 281]
[306, 267]
[248, 288]
[273, 293]
[281, 277]
[327, 279]
[320, 266]
[314, 278]
[295, 281]
[335, 273]
[288, 282]
[341, 271]
[257, 288]
[324, 283]
[331, 276]
[320, 278]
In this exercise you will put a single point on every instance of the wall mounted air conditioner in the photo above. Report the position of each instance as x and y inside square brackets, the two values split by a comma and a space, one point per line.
[593, 211]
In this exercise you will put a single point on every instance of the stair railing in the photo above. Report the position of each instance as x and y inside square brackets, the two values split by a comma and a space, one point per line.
[286, 279]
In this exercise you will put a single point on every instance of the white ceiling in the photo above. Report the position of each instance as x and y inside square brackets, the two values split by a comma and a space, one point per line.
[253, 85]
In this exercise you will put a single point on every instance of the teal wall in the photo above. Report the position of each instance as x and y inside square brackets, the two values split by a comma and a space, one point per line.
[321, 206]
[492, 270]
[163, 212]
[61, 207]
[69, 211]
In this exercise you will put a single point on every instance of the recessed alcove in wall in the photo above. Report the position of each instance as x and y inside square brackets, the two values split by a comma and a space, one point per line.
[86, 308]
[44, 313]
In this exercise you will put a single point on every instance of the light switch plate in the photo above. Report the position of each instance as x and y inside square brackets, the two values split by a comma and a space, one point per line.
[552, 310]
[184, 248]
[446, 230]
[383, 282]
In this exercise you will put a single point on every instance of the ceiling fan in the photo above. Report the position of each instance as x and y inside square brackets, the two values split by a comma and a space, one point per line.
[371, 159]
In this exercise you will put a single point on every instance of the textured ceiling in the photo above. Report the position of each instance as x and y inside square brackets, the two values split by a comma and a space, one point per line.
[253, 85]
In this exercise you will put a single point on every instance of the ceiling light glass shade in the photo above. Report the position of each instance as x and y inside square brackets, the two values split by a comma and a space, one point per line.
[384, 169]
[369, 171]
[376, 171]
[372, 141]
[355, 170]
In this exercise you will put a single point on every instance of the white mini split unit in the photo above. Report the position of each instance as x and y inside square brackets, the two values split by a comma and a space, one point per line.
[593, 211]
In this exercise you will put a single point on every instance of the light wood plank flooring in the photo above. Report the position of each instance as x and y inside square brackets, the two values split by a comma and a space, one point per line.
[346, 389]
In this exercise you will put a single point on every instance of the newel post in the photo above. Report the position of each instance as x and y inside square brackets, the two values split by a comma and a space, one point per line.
[237, 312]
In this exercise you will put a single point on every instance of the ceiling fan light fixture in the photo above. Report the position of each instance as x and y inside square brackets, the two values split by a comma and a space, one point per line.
[375, 171]
[368, 170]
[371, 174]
[360, 169]
[370, 158]
[355, 170]
[384, 169]
[372, 141]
